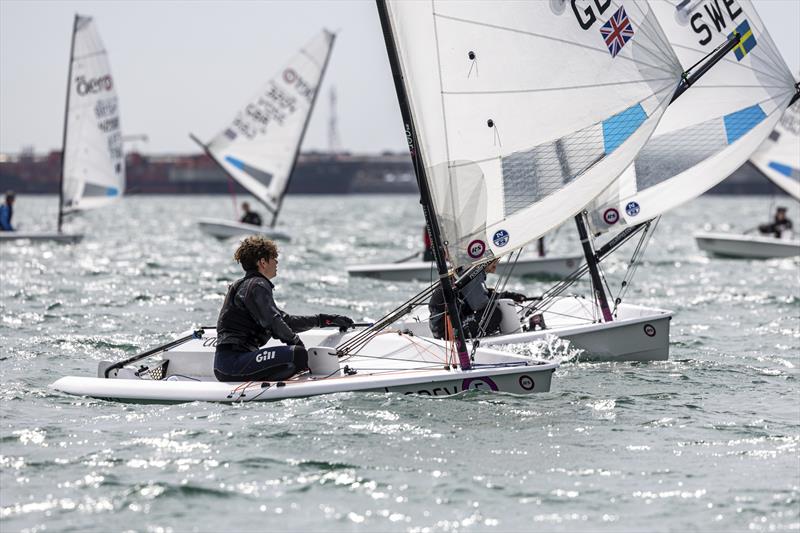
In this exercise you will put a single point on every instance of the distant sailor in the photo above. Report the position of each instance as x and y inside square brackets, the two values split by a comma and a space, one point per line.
[780, 224]
[250, 217]
[249, 318]
[474, 298]
[6, 212]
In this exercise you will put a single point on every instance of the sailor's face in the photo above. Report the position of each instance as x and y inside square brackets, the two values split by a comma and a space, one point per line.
[270, 267]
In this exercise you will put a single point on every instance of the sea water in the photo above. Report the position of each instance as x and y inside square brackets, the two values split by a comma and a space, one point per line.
[707, 441]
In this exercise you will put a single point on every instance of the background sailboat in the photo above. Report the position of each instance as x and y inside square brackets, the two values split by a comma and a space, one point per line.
[778, 158]
[92, 160]
[259, 148]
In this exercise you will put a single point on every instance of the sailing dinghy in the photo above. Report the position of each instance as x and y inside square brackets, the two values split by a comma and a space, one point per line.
[506, 144]
[714, 127]
[557, 266]
[259, 148]
[92, 158]
[779, 159]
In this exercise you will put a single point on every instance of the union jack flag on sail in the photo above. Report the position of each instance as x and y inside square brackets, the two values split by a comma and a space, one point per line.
[617, 31]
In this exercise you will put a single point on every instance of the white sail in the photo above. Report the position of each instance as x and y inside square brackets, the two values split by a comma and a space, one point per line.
[526, 111]
[259, 147]
[94, 162]
[779, 156]
[714, 127]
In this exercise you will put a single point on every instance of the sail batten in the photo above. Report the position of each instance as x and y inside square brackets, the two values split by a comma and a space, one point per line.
[259, 147]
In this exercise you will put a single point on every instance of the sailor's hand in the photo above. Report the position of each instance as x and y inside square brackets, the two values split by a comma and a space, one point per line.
[516, 296]
[297, 342]
[335, 320]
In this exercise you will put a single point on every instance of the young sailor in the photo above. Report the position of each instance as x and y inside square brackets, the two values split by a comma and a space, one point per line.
[6, 212]
[249, 217]
[249, 318]
[779, 224]
[473, 298]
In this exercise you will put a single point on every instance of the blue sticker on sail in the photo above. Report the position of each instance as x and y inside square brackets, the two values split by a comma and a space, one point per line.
[632, 209]
[263, 177]
[739, 123]
[500, 238]
[618, 128]
[112, 191]
[786, 170]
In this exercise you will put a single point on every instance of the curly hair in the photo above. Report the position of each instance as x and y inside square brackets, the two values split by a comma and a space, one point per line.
[254, 248]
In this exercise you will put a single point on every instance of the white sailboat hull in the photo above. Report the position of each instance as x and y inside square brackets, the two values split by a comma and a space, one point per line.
[413, 366]
[6, 236]
[553, 266]
[226, 229]
[638, 333]
[747, 246]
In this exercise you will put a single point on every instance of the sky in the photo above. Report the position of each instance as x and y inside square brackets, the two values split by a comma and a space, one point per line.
[187, 66]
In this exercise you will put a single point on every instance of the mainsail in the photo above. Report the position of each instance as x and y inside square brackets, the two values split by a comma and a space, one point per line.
[260, 145]
[525, 111]
[93, 163]
[779, 156]
[712, 129]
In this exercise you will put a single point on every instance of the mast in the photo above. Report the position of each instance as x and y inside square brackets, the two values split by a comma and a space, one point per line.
[66, 120]
[424, 191]
[594, 272]
[303, 133]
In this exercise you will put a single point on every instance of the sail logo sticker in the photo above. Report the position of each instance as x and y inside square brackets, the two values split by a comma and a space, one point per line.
[94, 85]
[526, 382]
[500, 238]
[476, 249]
[479, 384]
[747, 41]
[632, 209]
[611, 216]
[617, 31]
[289, 75]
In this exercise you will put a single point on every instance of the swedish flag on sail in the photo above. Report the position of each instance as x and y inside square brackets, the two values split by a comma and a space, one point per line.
[747, 42]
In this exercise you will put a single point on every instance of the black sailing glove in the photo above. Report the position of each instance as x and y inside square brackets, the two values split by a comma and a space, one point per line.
[340, 321]
[517, 297]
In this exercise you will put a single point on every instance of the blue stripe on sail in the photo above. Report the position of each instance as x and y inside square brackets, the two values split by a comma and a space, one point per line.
[618, 128]
[235, 162]
[112, 191]
[786, 170]
[741, 122]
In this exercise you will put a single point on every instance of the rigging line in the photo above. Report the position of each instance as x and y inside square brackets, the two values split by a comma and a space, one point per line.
[644, 242]
[87, 56]
[550, 89]
[726, 60]
[603, 51]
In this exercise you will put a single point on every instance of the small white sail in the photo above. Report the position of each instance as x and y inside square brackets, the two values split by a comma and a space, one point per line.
[259, 147]
[714, 127]
[779, 156]
[94, 162]
[526, 111]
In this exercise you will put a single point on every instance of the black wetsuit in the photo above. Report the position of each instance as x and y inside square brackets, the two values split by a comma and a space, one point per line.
[248, 319]
[776, 228]
[472, 301]
[251, 217]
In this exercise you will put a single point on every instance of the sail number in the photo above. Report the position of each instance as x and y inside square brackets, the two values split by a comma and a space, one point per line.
[713, 12]
[586, 15]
